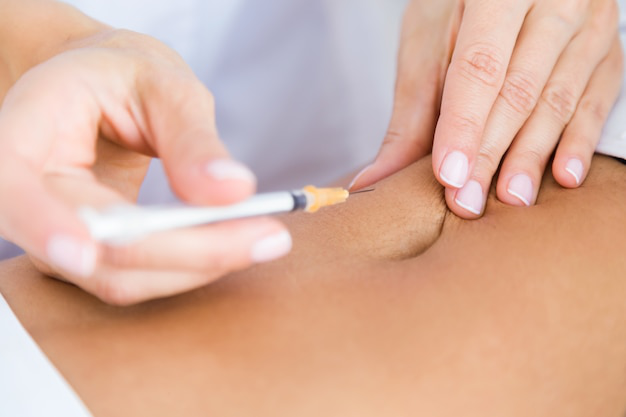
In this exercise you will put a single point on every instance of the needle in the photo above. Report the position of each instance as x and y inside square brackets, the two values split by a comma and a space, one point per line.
[369, 190]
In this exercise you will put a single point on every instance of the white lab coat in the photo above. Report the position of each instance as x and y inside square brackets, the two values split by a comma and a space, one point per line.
[303, 88]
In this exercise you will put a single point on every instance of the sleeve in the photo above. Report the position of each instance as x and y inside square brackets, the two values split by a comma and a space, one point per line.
[613, 141]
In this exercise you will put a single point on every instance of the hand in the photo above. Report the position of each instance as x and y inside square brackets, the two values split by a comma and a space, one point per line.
[496, 77]
[80, 128]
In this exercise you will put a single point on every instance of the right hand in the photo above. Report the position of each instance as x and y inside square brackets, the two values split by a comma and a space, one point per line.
[79, 130]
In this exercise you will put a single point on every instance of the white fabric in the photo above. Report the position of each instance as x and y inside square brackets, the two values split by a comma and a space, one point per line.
[303, 88]
[30, 386]
[613, 140]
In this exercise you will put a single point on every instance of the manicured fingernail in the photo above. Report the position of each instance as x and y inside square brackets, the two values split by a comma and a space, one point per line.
[521, 187]
[72, 256]
[575, 168]
[271, 247]
[227, 169]
[358, 176]
[471, 198]
[455, 169]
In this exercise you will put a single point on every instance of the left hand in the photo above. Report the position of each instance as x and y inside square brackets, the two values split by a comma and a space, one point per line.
[490, 77]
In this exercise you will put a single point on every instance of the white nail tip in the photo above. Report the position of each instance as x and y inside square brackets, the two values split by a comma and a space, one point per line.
[573, 174]
[451, 183]
[519, 197]
[359, 175]
[468, 208]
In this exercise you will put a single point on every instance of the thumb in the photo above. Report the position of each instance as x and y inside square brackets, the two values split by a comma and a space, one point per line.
[406, 141]
[410, 131]
[426, 45]
[180, 114]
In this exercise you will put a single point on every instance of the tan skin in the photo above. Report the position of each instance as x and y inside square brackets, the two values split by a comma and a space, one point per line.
[388, 305]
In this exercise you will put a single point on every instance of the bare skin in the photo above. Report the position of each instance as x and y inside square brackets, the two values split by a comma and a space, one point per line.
[388, 305]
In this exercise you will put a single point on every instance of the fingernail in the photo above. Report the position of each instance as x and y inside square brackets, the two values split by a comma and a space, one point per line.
[271, 247]
[455, 169]
[521, 187]
[72, 256]
[227, 169]
[471, 198]
[575, 169]
[358, 176]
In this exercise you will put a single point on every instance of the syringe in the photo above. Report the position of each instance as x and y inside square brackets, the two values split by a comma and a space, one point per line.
[124, 223]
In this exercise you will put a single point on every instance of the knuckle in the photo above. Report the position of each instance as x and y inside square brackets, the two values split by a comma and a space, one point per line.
[580, 143]
[532, 156]
[561, 101]
[520, 92]
[183, 91]
[605, 16]
[596, 110]
[488, 160]
[114, 292]
[482, 64]
[405, 144]
[124, 257]
[393, 136]
[467, 123]
[572, 13]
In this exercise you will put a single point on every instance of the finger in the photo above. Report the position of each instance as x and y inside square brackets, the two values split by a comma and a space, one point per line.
[213, 249]
[409, 134]
[37, 139]
[127, 287]
[531, 66]
[580, 138]
[210, 251]
[179, 261]
[422, 62]
[468, 202]
[485, 43]
[180, 112]
[526, 160]
[69, 251]
[42, 225]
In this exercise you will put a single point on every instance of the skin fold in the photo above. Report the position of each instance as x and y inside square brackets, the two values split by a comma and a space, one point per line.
[387, 305]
